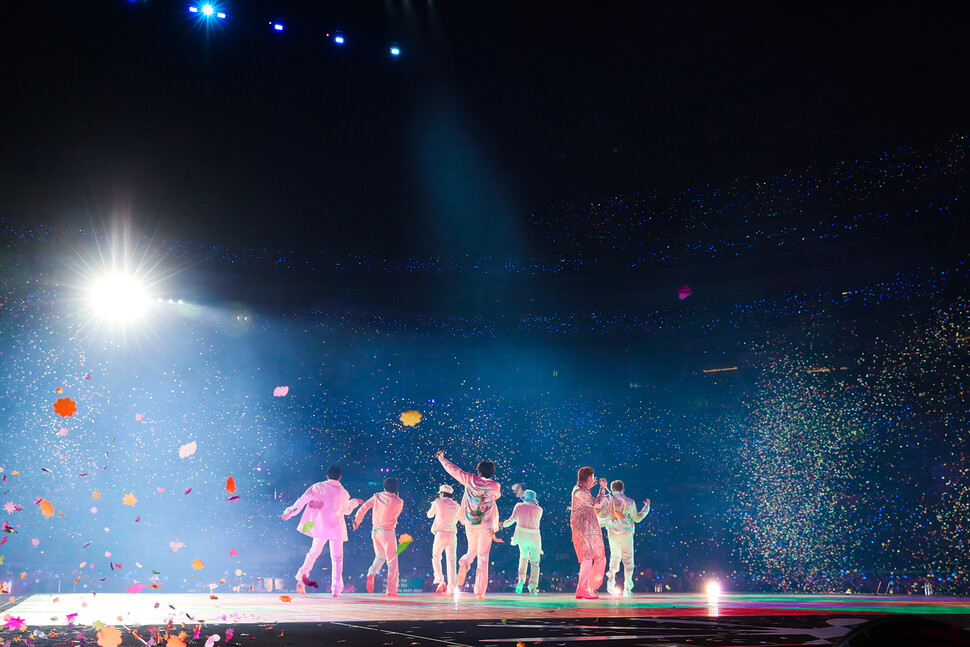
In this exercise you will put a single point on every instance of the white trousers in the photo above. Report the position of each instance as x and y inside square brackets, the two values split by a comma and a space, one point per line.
[529, 554]
[385, 551]
[479, 544]
[336, 562]
[621, 550]
[445, 542]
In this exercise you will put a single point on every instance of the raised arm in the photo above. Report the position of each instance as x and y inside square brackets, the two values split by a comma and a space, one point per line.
[433, 509]
[643, 513]
[601, 499]
[465, 478]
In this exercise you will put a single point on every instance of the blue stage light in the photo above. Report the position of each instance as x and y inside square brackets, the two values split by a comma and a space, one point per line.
[395, 50]
[277, 26]
[207, 10]
[338, 38]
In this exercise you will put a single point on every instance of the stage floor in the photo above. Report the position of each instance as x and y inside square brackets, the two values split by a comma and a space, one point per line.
[427, 619]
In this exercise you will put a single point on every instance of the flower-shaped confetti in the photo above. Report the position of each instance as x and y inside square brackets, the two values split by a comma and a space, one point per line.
[410, 418]
[187, 450]
[109, 637]
[65, 407]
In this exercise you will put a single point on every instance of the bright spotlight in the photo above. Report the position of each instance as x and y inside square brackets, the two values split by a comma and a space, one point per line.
[193, 10]
[713, 590]
[208, 10]
[338, 38]
[118, 297]
[395, 50]
[277, 26]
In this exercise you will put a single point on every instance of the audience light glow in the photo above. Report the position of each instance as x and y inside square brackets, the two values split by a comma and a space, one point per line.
[119, 297]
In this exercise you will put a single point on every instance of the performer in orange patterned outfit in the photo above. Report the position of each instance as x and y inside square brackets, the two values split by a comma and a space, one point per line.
[587, 536]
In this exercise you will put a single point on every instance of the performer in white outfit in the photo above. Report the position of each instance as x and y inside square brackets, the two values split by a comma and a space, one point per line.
[444, 510]
[526, 516]
[387, 507]
[479, 515]
[326, 503]
[619, 516]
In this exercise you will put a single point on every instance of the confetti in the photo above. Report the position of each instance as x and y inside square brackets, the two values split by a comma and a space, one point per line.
[65, 407]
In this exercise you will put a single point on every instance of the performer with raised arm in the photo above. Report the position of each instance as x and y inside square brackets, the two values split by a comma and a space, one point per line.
[587, 536]
[444, 510]
[619, 517]
[479, 515]
[526, 515]
[326, 503]
[387, 507]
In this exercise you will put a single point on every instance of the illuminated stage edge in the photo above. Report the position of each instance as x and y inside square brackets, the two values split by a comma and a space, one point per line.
[219, 609]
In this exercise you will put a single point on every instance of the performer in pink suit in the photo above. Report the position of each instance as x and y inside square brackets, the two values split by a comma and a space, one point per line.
[587, 536]
[479, 515]
[444, 510]
[387, 507]
[326, 503]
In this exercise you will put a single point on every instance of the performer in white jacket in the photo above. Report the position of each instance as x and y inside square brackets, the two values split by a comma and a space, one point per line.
[479, 515]
[619, 516]
[526, 516]
[444, 510]
[326, 503]
[387, 507]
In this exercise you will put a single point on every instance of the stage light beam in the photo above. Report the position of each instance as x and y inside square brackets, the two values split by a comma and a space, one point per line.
[119, 298]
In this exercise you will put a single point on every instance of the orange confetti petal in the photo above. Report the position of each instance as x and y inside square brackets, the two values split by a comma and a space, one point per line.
[46, 508]
[198, 564]
[109, 637]
[231, 485]
[65, 407]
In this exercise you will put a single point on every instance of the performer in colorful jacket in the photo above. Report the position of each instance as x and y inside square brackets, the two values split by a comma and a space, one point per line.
[526, 515]
[479, 515]
[444, 510]
[387, 507]
[619, 516]
[326, 503]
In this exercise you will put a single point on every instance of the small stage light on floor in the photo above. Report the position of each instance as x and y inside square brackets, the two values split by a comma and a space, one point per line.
[277, 26]
[338, 38]
[713, 590]
[395, 50]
